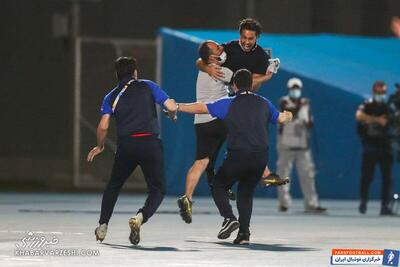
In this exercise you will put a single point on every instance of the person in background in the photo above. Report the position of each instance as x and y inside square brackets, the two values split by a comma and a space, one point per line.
[373, 128]
[395, 26]
[294, 148]
[394, 105]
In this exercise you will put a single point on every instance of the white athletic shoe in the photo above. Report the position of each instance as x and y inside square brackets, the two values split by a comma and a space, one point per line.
[101, 232]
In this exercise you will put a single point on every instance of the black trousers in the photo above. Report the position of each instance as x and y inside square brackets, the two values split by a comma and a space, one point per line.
[147, 152]
[210, 170]
[376, 156]
[245, 168]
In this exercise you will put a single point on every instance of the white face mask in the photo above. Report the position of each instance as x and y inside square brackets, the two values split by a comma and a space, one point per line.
[380, 98]
[222, 58]
[295, 93]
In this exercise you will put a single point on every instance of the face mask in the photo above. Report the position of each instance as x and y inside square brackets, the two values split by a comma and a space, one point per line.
[380, 98]
[295, 93]
[222, 58]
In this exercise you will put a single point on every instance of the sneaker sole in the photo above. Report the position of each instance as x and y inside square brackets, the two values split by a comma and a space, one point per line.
[134, 236]
[276, 182]
[315, 211]
[243, 242]
[183, 213]
[227, 233]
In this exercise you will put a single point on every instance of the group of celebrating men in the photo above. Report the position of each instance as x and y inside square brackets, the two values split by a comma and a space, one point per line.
[227, 108]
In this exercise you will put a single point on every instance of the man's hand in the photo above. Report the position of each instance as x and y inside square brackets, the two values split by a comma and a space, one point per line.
[268, 75]
[171, 109]
[285, 117]
[215, 72]
[172, 115]
[94, 152]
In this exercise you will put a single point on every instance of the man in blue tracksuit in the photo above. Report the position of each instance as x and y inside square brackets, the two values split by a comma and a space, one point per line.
[132, 104]
[246, 116]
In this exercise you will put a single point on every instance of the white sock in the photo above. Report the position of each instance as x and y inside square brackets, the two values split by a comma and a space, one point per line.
[139, 217]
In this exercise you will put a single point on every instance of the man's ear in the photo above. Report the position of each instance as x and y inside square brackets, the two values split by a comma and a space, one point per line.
[135, 74]
[211, 59]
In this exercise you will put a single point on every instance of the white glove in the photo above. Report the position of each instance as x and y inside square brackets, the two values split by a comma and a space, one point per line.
[273, 65]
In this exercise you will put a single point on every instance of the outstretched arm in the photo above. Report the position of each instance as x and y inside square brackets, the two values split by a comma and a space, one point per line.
[102, 130]
[194, 108]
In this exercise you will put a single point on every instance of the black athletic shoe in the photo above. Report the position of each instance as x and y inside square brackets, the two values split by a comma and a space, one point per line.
[363, 207]
[231, 195]
[185, 209]
[315, 210]
[283, 208]
[242, 239]
[228, 226]
[386, 211]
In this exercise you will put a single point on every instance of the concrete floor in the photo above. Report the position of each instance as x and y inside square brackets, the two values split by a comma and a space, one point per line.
[290, 239]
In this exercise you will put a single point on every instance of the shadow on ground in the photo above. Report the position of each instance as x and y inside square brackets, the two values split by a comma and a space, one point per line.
[258, 246]
[139, 247]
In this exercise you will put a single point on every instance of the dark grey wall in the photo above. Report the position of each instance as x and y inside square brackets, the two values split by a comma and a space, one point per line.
[36, 68]
[35, 81]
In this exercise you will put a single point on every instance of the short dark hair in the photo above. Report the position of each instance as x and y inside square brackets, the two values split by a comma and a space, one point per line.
[204, 51]
[243, 80]
[378, 84]
[250, 25]
[125, 67]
